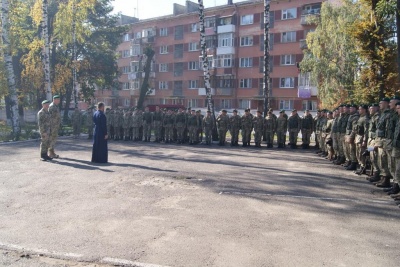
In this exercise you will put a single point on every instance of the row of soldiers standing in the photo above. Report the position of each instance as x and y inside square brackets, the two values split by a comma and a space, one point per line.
[362, 137]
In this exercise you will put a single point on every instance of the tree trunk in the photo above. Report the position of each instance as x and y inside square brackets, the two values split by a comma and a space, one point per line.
[46, 50]
[266, 89]
[206, 71]
[398, 38]
[12, 90]
[149, 52]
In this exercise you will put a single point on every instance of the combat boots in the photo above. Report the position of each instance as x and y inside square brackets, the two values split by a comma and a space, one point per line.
[347, 164]
[44, 157]
[362, 170]
[394, 190]
[374, 178]
[352, 166]
[385, 182]
[52, 154]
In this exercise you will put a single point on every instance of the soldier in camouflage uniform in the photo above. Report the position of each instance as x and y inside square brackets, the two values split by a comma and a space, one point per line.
[235, 125]
[274, 117]
[281, 129]
[294, 126]
[342, 124]
[147, 122]
[192, 124]
[89, 122]
[108, 118]
[44, 123]
[395, 190]
[247, 127]
[361, 131]
[118, 125]
[208, 126]
[76, 119]
[258, 124]
[335, 135]
[269, 129]
[223, 126]
[126, 124]
[350, 138]
[180, 124]
[199, 131]
[136, 124]
[318, 129]
[168, 123]
[157, 124]
[55, 118]
[326, 131]
[307, 126]
[316, 122]
[373, 153]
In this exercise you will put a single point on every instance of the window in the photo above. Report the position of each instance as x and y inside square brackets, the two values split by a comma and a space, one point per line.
[162, 85]
[125, 86]
[193, 65]
[305, 79]
[288, 37]
[134, 85]
[288, 59]
[224, 61]
[193, 84]
[193, 46]
[138, 35]
[211, 63]
[126, 69]
[163, 31]
[126, 37]
[209, 22]
[179, 32]
[164, 49]
[244, 104]
[286, 104]
[193, 27]
[178, 86]
[163, 67]
[178, 51]
[246, 62]
[127, 102]
[225, 21]
[246, 41]
[308, 104]
[224, 82]
[247, 19]
[287, 82]
[245, 83]
[290, 13]
[126, 53]
[211, 41]
[312, 9]
[135, 66]
[226, 103]
[135, 50]
[225, 40]
[178, 69]
[194, 103]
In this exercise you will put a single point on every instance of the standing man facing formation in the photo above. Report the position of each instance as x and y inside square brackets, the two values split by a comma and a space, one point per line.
[307, 126]
[223, 126]
[55, 120]
[44, 123]
[247, 126]
[235, 124]
[100, 149]
[281, 129]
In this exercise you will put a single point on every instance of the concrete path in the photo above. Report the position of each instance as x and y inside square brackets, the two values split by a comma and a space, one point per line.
[170, 205]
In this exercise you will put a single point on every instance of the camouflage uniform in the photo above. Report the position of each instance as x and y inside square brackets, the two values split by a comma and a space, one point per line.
[199, 132]
[168, 123]
[44, 123]
[76, 119]
[247, 127]
[180, 124]
[361, 132]
[373, 155]
[235, 125]
[208, 126]
[136, 123]
[344, 117]
[281, 129]
[294, 126]
[89, 123]
[147, 122]
[258, 124]
[396, 152]
[126, 124]
[158, 124]
[112, 124]
[223, 126]
[315, 130]
[108, 118]
[335, 135]
[381, 143]
[326, 131]
[321, 137]
[307, 126]
[269, 129]
[192, 124]
[350, 137]
[55, 120]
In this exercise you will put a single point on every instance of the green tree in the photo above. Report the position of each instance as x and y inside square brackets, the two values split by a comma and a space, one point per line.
[331, 56]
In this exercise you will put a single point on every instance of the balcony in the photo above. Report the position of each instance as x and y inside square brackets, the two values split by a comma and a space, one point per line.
[224, 91]
[202, 91]
[210, 31]
[307, 91]
[308, 19]
[148, 39]
[225, 50]
[303, 44]
[226, 28]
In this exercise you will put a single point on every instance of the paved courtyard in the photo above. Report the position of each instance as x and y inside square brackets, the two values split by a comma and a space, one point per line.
[170, 205]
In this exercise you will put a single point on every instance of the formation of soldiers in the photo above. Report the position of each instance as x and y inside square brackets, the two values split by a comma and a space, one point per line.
[364, 139]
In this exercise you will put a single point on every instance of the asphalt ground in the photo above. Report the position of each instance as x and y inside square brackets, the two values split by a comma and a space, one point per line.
[180, 205]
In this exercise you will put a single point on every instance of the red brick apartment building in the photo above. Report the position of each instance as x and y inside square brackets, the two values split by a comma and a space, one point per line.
[234, 36]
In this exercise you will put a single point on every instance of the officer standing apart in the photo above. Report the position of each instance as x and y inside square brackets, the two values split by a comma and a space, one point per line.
[44, 122]
[55, 120]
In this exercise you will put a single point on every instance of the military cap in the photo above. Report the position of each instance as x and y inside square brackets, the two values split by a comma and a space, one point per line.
[193, 110]
[45, 102]
[330, 112]
[307, 110]
[374, 105]
[353, 106]
[294, 110]
[198, 111]
[395, 98]
[347, 105]
[208, 111]
[319, 110]
[224, 111]
[270, 109]
[234, 111]
[259, 111]
[398, 104]
[385, 99]
[56, 96]
[364, 106]
[282, 111]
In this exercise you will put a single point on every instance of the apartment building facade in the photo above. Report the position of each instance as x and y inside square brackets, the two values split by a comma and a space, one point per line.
[235, 48]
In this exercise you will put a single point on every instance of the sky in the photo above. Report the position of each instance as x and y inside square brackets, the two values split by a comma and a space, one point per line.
[154, 8]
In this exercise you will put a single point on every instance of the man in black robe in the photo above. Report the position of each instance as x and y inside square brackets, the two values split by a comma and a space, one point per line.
[100, 150]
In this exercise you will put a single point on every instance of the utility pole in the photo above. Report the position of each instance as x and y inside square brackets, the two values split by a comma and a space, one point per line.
[74, 60]
[266, 89]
